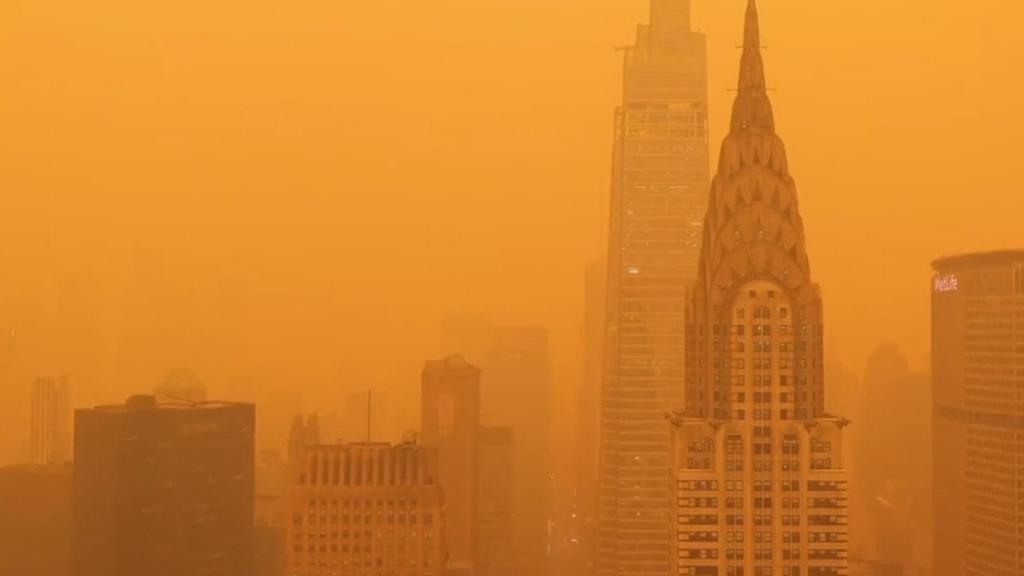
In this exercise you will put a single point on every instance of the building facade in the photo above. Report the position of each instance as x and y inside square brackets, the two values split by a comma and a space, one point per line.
[35, 522]
[658, 199]
[978, 414]
[163, 490]
[588, 421]
[450, 425]
[496, 508]
[50, 423]
[366, 510]
[760, 481]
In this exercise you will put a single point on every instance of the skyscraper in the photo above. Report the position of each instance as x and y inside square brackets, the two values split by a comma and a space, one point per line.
[450, 424]
[163, 489]
[658, 198]
[517, 393]
[760, 481]
[50, 433]
[978, 413]
[496, 510]
[366, 509]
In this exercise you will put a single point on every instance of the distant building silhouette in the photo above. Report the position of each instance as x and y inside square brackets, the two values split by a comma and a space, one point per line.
[761, 487]
[890, 495]
[50, 432]
[467, 335]
[517, 393]
[978, 413]
[658, 198]
[180, 385]
[450, 424]
[271, 483]
[359, 416]
[163, 490]
[302, 435]
[366, 509]
[35, 520]
[496, 508]
[588, 421]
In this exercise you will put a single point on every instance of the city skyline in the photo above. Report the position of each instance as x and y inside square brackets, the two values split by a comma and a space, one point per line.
[78, 268]
[488, 289]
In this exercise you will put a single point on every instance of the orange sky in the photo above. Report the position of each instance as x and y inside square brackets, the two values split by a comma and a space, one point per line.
[287, 196]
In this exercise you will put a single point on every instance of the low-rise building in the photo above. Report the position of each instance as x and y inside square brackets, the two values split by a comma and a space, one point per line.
[366, 509]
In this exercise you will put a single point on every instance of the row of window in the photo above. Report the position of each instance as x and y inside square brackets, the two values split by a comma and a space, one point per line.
[762, 414]
[346, 519]
[761, 380]
[759, 571]
[762, 502]
[347, 549]
[760, 363]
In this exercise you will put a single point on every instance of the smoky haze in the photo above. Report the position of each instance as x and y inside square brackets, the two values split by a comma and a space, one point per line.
[288, 198]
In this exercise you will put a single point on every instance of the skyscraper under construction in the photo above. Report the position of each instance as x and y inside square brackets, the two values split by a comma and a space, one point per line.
[659, 196]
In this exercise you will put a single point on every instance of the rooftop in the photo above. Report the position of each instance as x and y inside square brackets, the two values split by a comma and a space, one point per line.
[979, 260]
[453, 362]
[148, 402]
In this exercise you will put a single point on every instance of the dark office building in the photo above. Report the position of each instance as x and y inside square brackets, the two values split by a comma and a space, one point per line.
[35, 520]
[163, 490]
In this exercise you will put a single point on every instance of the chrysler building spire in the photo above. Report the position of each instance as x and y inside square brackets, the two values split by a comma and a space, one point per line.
[752, 66]
[752, 107]
[758, 462]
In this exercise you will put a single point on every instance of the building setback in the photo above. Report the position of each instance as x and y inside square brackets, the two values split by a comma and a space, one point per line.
[163, 490]
[978, 414]
[450, 424]
[760, 483]
[658, 199]
[366, 510]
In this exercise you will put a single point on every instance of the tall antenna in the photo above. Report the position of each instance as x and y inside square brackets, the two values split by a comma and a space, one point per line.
[369, 415]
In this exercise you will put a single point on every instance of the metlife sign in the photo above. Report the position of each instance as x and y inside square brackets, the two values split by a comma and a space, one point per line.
[945, 283]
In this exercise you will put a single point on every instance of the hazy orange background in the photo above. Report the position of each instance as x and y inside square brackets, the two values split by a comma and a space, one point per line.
[287, 196]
